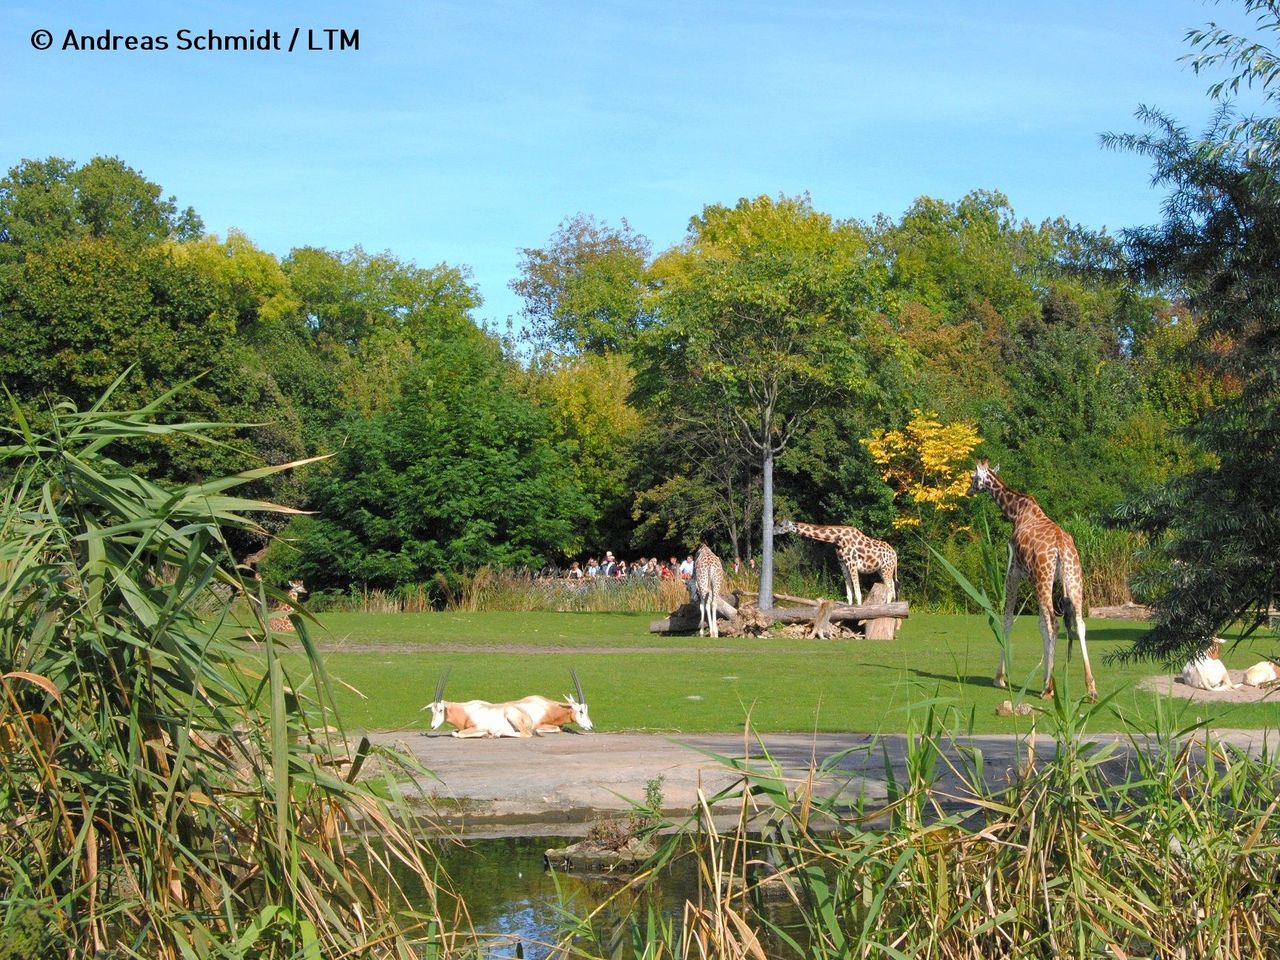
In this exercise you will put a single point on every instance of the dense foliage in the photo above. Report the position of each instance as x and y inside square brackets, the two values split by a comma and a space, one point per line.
[658, 400]
[167, 790]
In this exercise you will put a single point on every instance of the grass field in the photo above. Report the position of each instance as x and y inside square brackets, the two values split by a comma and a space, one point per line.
[636, 681]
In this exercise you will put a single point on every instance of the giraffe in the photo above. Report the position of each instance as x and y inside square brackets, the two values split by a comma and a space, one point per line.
[280, 621]
[1042, 551]
[708, 578]
[857, 552]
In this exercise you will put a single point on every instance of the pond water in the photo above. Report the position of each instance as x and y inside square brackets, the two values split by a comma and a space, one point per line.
[512, 897]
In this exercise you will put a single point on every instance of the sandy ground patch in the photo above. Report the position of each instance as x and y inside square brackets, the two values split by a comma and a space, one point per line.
[1171, 686]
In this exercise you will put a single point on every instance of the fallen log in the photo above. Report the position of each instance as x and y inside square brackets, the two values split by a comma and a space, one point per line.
[686, 616]
[841, 611]
[740, 594]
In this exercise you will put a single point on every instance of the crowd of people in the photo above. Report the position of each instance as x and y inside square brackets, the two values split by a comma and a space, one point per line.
[613, 569]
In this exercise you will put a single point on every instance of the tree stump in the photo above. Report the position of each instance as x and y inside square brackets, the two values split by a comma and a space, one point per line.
[882, 628]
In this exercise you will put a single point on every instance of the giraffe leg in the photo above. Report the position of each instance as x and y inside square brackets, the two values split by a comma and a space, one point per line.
[1048, 629]
[1077, 621]
[713, 627]
[857, 583]
[1073, 590]
[850, 578]
[1012, 580]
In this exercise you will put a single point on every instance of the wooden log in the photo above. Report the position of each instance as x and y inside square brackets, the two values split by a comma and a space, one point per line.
[685, 617]
[881, 628]
[779, 596]
[840, 611]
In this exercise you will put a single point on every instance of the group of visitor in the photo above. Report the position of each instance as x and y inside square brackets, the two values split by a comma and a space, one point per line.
[613, 569]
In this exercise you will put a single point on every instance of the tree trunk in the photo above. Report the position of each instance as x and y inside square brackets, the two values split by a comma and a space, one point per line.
[765, 598]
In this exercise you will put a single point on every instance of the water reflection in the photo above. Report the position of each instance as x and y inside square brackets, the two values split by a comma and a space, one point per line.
[512, 897]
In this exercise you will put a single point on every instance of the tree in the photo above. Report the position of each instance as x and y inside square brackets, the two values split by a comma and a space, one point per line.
[1218, 245]
[926, 461]
[763, 317]
[585, 291]
[46, 201]
[459, 474]
[586, 401]
[362, 320]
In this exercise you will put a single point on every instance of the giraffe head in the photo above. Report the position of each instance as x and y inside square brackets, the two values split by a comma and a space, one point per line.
[983, 476]
[296, 589]
[784, 526]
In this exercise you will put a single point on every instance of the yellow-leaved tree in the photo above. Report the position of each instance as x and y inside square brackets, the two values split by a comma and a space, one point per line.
[926, 463]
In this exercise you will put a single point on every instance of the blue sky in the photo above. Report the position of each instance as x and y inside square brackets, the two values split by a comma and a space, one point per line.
[461, 132]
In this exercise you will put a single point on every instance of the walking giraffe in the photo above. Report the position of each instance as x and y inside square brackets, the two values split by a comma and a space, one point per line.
[708, 578]
[1041, 550]
[857, 552]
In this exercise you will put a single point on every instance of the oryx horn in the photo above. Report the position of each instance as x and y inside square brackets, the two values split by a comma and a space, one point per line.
[577, 685]
[440, 685]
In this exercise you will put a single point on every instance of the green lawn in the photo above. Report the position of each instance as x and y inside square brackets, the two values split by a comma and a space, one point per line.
[655, 683]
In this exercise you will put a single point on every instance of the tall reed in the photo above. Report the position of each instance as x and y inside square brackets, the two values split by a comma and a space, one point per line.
[170, 786]
[1168, 849]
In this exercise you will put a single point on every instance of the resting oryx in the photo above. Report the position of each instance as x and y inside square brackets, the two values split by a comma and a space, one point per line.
[1206, 672]
[478, 718]
[550, 716]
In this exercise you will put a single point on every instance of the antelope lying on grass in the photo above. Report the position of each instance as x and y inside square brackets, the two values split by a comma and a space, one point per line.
[550, 716]
[478, 718]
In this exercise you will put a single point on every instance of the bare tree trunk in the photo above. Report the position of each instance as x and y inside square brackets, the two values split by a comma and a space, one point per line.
[765, 600]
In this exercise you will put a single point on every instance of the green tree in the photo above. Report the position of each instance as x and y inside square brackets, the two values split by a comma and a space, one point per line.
[461, 473]
[586, 400]
[764, 316]
[46, 201]
[585, 291]
[1218, 244]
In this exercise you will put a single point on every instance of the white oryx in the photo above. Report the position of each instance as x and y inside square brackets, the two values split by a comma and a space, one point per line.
[1261, 674]
[550, 716]
[478, 718]
[1206, 672]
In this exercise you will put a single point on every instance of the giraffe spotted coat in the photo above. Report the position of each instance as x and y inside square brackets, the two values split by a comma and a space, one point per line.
[708, 579]
[857, 552]
[280, 621]
[1042, 552]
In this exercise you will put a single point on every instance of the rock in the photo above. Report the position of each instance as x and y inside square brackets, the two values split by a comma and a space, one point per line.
[589, 856]
[1007, 709]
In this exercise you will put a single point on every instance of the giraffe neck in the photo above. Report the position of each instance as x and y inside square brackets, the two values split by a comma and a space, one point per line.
[1011, 502]
[815, 532]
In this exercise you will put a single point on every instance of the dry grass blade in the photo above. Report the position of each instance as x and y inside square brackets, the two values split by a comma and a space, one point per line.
[153, 799]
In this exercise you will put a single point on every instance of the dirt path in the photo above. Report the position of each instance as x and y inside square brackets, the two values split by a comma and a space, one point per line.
[360, 646]
[560, 783]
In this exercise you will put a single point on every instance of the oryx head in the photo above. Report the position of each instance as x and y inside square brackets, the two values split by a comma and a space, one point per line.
[580, 715]
[437, 702]
[983, 476]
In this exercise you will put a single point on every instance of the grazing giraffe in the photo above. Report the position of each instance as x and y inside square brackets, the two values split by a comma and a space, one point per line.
[857, 552]
[1041, 550]
[708, 578]
[280, 621]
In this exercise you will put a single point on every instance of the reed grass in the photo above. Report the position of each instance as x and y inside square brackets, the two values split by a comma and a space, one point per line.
[171, 785]
[1171, 849]
[517, 591]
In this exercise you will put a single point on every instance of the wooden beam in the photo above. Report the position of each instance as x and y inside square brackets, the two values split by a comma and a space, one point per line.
[840, 611]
